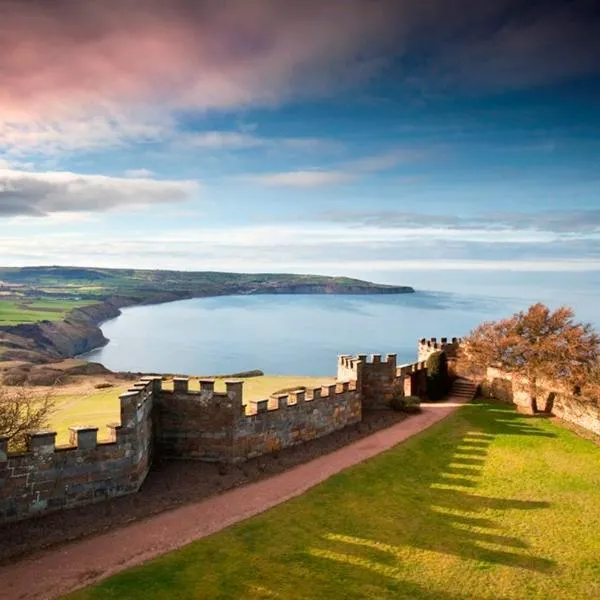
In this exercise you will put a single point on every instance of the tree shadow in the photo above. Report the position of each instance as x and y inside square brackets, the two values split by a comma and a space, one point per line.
[456, 517]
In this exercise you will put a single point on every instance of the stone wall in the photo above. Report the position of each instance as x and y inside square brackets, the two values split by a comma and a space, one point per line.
[291, 419]
[222, 427]
[198, 425]
[428, 346]
[553, 399]
[379, 381]
[48, 478]
[180, 423]
[584, 412]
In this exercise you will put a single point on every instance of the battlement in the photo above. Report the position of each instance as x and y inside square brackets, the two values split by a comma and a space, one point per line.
[47, 477]
[427, 347]
[352, 368]
[296, 398]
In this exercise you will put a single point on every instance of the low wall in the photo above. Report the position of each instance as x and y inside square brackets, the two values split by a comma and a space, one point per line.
[578, 410]
[291, 419]
[553, 399]
[48, 478]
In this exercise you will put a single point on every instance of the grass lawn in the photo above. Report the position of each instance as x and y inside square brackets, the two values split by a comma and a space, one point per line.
[14, 312]
[487, 505]
[97, 408]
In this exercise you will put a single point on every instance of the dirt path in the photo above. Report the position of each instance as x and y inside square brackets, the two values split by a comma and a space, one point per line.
[57, 571]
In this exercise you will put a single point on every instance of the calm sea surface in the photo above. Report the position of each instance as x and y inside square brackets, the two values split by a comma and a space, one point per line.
[287, 334]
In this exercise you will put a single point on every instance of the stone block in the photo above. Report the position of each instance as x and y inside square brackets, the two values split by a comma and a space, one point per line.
[83, 437]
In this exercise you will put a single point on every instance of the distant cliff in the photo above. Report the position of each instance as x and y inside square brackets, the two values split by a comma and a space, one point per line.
[54, 340]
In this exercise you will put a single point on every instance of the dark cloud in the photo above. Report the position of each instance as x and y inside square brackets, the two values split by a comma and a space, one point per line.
[64, 55]
[40, 194]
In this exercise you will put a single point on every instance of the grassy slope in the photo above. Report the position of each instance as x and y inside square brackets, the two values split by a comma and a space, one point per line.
[486, 505]
[101, 407]
[14, 312]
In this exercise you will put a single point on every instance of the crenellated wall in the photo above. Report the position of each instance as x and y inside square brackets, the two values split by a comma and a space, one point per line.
[181, 423]
[48, 478]
[428, 346]
[380, 381]
[295, 418]
[198, 424]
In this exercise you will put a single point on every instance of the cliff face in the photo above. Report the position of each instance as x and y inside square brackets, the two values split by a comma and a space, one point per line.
[54, 340]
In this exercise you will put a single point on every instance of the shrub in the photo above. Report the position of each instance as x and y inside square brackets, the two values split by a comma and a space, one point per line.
[43, 376]
[104, 384]
[438, 379]
[406, 404]
[412, 403]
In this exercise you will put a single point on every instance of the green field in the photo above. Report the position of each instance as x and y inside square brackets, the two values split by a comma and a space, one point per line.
[150, 285]
[97, 408]
[14, 312]
[487, 505]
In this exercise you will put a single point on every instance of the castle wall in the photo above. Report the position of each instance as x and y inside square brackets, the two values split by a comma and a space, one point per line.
[185, 424]
[552, 399]
[48, 478]
[380, 381]
[295, 418]
[427, 347]
[198, 425]
[579, 411]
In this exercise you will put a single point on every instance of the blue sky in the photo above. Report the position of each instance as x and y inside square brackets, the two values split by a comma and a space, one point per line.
[359, 138]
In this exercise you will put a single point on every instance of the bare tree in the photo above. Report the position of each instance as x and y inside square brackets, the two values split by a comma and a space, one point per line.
[22, 411]
[537, 344]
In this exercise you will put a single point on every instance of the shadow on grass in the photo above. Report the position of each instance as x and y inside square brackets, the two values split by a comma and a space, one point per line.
[452, 510]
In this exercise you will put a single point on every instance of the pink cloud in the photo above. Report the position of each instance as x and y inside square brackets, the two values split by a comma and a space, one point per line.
[81, 56]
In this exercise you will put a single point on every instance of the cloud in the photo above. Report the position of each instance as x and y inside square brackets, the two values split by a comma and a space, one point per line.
[74, 54]
[305, 247]
[303, 179]
[240, 140]
[569, 222]
[80, 73]
[39, 194]
[347, 173]
[224, 140]
[52, 136]
[139, 173]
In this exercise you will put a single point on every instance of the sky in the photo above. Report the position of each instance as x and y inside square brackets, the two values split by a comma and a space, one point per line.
[383, 139]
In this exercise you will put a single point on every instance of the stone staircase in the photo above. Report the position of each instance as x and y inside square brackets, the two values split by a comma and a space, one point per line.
[463, 390]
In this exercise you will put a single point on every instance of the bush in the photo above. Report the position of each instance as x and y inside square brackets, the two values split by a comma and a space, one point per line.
[438, 379]
[15, 376]
[406, 404]
[43, 376]
[103, 385]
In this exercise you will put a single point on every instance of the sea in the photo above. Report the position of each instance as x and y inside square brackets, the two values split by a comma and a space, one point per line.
[303, 334]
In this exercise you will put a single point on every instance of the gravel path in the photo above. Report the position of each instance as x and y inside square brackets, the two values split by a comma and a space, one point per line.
[57, 571]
